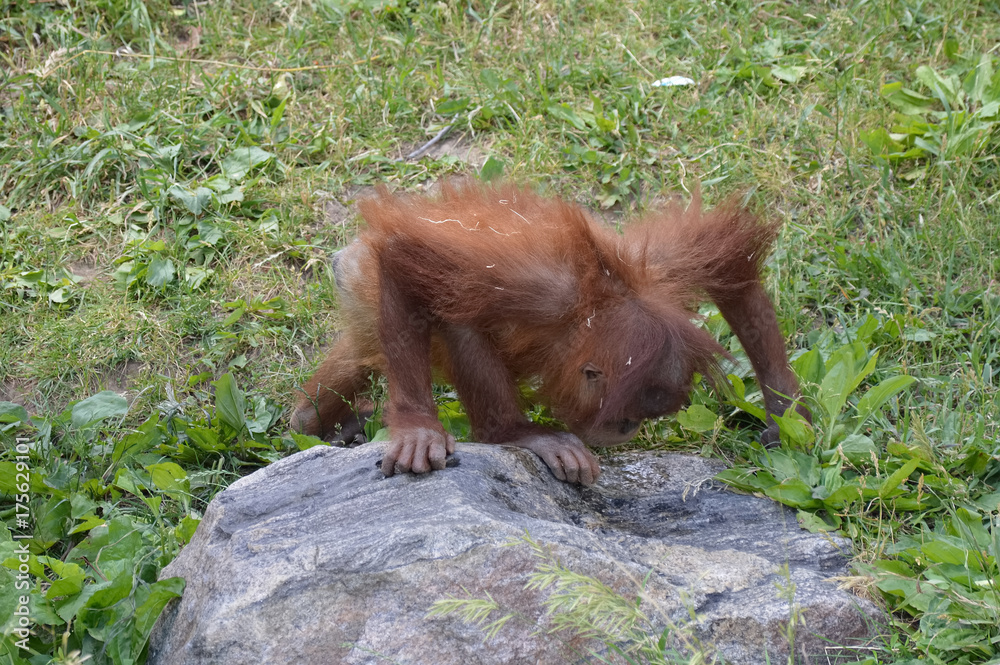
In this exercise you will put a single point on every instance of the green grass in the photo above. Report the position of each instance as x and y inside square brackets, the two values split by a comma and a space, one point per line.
[166, 172]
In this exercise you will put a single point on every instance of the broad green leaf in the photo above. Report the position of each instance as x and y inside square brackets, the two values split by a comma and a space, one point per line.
[89, 522]
[185, 530]
[492, 169]
[10, 483]
[234, 195]
[205, 439]
[852, 355]
[906, 125]
[876, 397]
[160, 272]
[12, 413]
[217, 184]
[893, 566]
[230, 403]
[490, 79]
[944, 88]
[951, 48]
[195, 277]
[815, 524]
[983, 78]
[452, 106]
[845, 496]
[918, 334]
[941, 550]
[148, 612]
[242, 160]
[739, 388]
[795, 493]
[744, 480]
[867, 328]
[105, 404]
[81, 505]
[124, 545]
[907, 101]
[989, 503]
[697, 418]
[738, 400]
[128, 479]
[108, 593]
[858, 448]
[565, 112]
[794, 430]
[60, 295]
[781, 463]
[70, 578]
[171, 478]
[833, 390]
[879, 141]
[264, 415]
[989, 111]
[933, 145]
[790, 74]
[209, 233]
[96, 162]
[894, 577]
[955, 639]
[831, 478]
[808, 467]
[863, 373]
[67, 607]
[306, 441]
[969, 526]
[784, 463]
[810, 367]
[195, 201]
[234, 316]
[892, 482]
[148, 436]
[168, 152]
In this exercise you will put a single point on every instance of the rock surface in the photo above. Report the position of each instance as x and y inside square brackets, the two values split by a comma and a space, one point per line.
[319, 559]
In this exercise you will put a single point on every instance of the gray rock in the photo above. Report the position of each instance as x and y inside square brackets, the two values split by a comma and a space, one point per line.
[319, 559]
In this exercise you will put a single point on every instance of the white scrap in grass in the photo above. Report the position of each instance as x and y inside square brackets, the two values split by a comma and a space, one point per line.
[673, 81]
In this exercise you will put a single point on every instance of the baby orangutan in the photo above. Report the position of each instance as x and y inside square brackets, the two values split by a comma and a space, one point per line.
[496, 286]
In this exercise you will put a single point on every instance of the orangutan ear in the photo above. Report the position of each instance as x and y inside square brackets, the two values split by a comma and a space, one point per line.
[592, 372]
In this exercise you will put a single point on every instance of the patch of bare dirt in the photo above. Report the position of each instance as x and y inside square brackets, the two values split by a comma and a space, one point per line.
[18, 391]
[456, 146]
[607, 216]
[338, 210]
[459, 148]
[119, 378]
[335, 213]
[86, 270]
[187, 39]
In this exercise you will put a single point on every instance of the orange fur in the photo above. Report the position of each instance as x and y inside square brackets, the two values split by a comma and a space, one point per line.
[496, 286]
